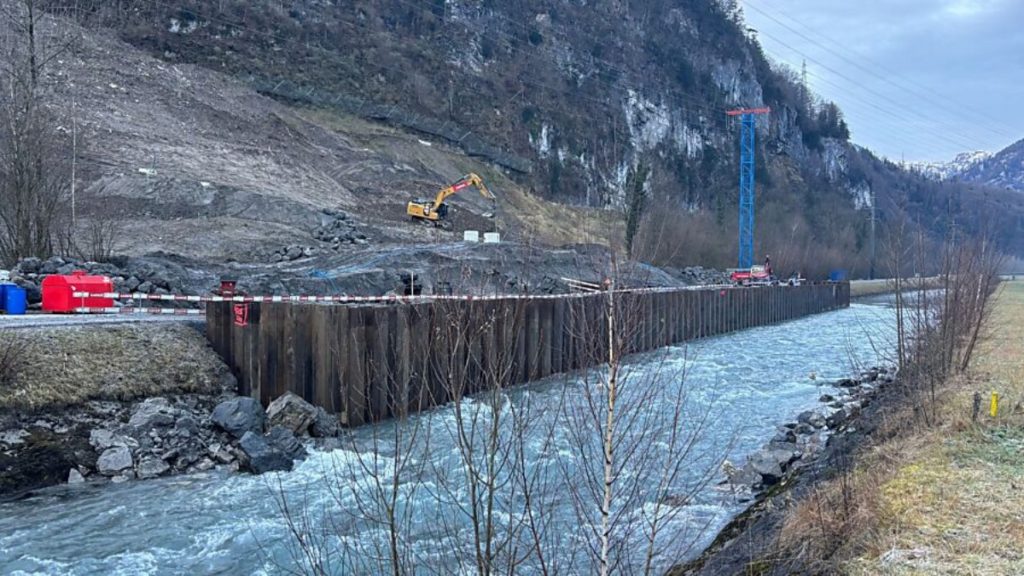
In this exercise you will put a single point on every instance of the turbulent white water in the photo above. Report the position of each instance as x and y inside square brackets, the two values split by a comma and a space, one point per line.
[741, 385]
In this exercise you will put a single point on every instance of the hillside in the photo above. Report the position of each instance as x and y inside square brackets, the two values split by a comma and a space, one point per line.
[224, 130]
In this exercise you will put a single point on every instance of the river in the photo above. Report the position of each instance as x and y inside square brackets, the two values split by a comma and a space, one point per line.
[739, 386]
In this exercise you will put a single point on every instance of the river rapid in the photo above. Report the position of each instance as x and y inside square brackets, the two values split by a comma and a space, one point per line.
[723, 397]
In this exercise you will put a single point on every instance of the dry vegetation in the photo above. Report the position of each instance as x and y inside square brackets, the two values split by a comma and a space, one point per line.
[940, 499]
[69, 366]
[863, 288]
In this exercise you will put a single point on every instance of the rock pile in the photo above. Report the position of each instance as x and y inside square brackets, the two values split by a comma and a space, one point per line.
[796, 443]
[161, 437]
[292, 253]
[700, 276]
[131, 276]
[337, 229]
[181, 435]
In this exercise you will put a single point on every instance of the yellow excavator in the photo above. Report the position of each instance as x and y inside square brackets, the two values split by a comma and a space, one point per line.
[436, 210]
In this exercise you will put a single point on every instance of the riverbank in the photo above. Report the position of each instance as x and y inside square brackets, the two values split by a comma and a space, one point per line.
[950, 498]
[897, 496]
[64, 391]
[866, 288]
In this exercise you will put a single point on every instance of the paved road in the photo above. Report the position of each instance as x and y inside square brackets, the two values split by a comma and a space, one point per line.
[59, 320]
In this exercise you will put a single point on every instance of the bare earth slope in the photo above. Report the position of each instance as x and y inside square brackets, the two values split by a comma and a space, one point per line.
[200, 165]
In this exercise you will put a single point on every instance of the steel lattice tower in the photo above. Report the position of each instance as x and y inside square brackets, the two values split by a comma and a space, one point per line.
[748, 118]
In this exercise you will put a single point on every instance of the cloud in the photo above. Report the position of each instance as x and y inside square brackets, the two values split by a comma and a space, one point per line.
[928, 78]
[970, 8]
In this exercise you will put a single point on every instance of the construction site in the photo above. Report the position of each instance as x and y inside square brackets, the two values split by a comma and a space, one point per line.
[535, 287]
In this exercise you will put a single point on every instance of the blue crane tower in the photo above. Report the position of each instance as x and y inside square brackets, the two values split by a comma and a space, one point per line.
[748, 120]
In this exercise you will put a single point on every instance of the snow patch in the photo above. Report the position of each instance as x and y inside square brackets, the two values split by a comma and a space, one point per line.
[963, 163]
[542, 142]
[834, 157]
[179, 27]
[862, 197]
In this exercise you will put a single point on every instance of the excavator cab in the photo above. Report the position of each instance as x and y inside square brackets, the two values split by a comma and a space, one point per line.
[436, 210]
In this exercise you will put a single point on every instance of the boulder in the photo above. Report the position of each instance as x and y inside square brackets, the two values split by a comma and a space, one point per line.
[770, 464]
[261, 456]
[826, 398]
[291, 412]
[152, 467]
[101, 439]
[325, 425]
[811, 418]
[75, 477]
[239, 415]
[847, 383]
[185, 425]
[204, 465]
[114, 460]
[282, 439]
[152, 413]
[784, 435]
[837, 419]
[30, 265]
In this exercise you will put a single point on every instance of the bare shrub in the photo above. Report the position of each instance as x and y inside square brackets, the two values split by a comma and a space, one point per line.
[13, 347]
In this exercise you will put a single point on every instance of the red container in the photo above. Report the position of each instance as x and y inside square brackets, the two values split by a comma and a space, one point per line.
[58, 290]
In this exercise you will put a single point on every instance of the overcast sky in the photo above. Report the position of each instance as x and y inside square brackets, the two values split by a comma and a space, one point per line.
[920, 79]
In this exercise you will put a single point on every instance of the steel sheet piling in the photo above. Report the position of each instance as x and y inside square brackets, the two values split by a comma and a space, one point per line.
[371, 361]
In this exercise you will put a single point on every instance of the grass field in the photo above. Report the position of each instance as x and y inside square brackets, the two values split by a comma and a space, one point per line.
[951, 497]
[60, 367]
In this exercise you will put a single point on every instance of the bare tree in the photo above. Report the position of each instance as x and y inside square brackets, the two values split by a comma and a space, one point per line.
[35, 159]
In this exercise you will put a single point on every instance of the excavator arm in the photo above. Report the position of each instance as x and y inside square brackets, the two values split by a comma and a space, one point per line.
[436, 210]
[463, 183]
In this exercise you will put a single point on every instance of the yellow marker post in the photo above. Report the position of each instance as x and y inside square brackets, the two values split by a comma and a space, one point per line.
[994, 407]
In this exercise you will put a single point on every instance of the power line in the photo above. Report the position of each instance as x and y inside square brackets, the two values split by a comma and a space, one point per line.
[925, 93]
[856, 102]
[876, 94]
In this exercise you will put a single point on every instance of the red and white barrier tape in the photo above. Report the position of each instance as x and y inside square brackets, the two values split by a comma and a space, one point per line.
[358, 299]
[157, 311]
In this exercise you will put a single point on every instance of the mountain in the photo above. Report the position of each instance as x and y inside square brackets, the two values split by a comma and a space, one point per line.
[954, 169]
[226, 128]
[1005, 169]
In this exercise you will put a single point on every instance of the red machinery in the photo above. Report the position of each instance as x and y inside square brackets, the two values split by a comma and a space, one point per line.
[753, 276]
[58, 290]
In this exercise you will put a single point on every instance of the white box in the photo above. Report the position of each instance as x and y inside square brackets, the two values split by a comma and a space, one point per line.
[471, 236]
[492, 237]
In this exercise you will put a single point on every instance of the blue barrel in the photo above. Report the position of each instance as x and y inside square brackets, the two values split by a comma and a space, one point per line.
[15, 301]
[3, 296]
